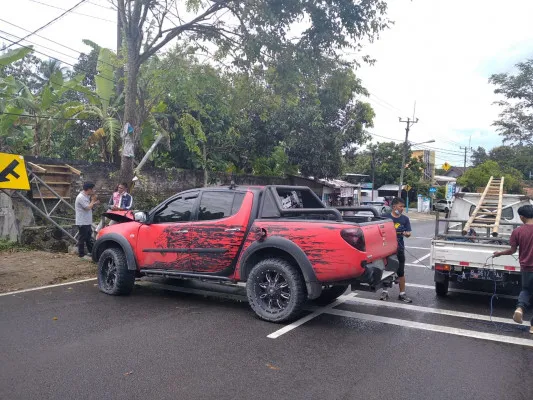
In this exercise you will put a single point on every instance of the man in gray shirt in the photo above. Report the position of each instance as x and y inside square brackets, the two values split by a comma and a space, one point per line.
[85, 202]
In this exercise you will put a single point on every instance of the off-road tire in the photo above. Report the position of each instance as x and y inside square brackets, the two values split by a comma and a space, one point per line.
[441, 288]
[259, 296]
[331, 293]
[114, 277]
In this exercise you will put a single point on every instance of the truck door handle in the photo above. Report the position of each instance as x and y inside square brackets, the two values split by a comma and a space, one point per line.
[232, 230]
[183, 231]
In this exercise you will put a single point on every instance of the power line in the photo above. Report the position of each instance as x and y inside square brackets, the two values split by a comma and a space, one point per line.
[40, 45]
[51, 41]
[48, 23]
[73, 12]
[55, 58]
[425, 147]
[48, 117]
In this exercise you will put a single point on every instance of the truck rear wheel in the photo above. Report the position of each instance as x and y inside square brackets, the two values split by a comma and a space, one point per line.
[276, 290]
[441, 288]
[114, 277]
[331, 293]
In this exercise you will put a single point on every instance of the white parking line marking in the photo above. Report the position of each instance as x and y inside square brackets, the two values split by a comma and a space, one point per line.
[419, 260]
[433, 328]
[418, 248]
[301, 321]
[420, 237]
[503, 296]
[431, 310]
[47, 287]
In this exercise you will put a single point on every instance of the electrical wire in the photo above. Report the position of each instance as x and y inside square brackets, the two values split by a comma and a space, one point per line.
[73, 12]
[48, 23]
[48, 117]
[55, 58]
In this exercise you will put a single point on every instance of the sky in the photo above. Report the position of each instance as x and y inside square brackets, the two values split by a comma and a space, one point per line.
[438, 55]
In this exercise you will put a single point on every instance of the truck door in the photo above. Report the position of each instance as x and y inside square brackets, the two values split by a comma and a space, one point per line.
[164, 242]
[219, 230]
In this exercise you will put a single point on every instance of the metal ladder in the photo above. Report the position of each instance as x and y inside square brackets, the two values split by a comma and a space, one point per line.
[488, 211]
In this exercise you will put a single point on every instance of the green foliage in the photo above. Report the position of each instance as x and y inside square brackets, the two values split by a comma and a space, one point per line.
[479, 156]
[11, 56]
[11, 247]
[479, 176]
[516, 120]
[519, 157]
[387, 158]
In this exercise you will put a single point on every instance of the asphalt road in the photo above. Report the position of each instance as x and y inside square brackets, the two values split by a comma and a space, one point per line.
[73, 342]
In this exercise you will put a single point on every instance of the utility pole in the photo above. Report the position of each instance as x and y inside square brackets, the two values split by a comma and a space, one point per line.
[408, 124]
[373, 166]
[466, 149]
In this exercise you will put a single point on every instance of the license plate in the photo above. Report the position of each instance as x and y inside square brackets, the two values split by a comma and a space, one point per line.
[485, 274]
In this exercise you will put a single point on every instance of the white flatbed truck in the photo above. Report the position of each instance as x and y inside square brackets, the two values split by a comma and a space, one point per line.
[466, 259]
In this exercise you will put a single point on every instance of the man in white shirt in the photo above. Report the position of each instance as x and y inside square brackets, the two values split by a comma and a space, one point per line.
[85, 202]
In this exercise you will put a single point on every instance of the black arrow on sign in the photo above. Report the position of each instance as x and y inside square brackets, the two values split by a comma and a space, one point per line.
[9, 170]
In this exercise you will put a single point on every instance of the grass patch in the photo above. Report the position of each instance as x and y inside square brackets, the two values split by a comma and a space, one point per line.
[7, 245]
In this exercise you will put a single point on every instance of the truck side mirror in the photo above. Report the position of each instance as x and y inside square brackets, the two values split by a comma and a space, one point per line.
[141, 216]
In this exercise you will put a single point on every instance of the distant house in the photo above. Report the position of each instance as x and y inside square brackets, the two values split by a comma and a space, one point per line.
[455, 172]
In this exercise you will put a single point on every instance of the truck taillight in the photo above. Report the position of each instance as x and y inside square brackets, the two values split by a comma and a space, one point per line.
[354, 237]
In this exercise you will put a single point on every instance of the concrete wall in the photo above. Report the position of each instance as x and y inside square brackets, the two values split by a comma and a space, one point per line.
[155, 184]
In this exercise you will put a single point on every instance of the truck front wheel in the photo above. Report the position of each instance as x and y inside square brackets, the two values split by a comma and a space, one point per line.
[114, 277]
[276, 290]
[441, 288]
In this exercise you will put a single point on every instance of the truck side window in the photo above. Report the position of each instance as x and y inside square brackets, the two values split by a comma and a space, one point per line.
[216, 205]
[507, 212]
[237, 203]
[178, 210]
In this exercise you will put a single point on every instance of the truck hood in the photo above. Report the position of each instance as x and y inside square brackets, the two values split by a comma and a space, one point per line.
[120, 216]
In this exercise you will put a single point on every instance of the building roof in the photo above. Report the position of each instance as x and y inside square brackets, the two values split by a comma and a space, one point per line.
[441, 178]
[390, 187]
[337, 183]
[455, 170]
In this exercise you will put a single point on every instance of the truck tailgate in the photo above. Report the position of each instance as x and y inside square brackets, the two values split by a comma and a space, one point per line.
[380, 239]
[473, 255]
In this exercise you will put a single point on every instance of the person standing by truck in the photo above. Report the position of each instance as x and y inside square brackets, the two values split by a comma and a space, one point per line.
[522, 238]
[403, 230]
[85, 202]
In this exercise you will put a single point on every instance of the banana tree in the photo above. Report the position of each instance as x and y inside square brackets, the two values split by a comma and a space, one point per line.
[102, 106]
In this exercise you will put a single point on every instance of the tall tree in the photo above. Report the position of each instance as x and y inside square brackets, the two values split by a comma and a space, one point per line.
[516, 120]
[479, 156]
[247, 31]
[387, 161]
[479, 176]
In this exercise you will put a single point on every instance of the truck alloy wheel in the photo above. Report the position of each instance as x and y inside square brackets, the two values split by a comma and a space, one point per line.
[113, 275]
[276, 291]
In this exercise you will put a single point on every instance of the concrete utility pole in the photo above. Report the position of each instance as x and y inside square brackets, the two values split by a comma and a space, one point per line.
[408, 124]
[466, 149]
[373, 165]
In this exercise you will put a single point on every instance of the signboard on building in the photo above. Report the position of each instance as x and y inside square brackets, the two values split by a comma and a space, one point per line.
[450, 190]
[347, 192]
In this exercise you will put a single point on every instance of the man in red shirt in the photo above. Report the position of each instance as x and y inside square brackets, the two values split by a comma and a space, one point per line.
[522, 238]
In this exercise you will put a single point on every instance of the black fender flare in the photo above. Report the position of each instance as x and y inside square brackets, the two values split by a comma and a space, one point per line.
[314, 288]
[124, 245]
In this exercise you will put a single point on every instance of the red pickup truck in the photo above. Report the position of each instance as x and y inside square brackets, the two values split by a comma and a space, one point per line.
[281, 240]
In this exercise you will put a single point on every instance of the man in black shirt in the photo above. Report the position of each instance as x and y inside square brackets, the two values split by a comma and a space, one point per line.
[403, 229]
